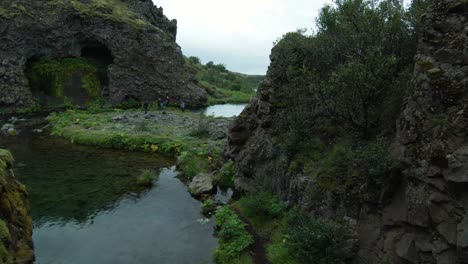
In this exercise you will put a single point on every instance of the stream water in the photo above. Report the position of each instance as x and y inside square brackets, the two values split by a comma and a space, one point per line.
[87, 208]
[224, 110]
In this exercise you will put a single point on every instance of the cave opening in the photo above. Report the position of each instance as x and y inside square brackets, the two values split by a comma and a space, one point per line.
[78, 80]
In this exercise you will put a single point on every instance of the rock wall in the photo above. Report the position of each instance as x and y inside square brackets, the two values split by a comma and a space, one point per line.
[16, 245]
[147, 62]
[423, 214]
[428, 220]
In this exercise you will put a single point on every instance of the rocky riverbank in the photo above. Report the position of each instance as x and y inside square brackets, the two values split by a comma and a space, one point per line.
[16, 245]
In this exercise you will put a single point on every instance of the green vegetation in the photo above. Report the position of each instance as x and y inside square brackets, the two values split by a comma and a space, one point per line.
[15, 9]
[234, 239]
[50, 76]
[146, 178]
[112, 10]
[222, 85]
[293, 237]
[208, 206]
[225, 176]
[172, 137]
[313, 240]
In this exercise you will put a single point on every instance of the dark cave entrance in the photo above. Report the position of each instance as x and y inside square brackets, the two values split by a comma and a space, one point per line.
[76, 80]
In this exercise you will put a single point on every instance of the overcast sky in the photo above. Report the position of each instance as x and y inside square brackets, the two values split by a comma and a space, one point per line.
[239, 34]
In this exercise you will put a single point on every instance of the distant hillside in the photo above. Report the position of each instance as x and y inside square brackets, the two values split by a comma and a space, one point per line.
[222, 86]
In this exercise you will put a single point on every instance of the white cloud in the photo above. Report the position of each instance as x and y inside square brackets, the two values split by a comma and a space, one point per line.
[239, 33]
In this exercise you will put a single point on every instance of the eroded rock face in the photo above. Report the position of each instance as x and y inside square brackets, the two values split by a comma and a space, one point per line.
[16, 245]
[424, 216]
[146, 61]
[431, 143]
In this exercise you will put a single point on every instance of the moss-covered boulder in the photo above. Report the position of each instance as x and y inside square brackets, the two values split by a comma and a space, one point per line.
[16, 245]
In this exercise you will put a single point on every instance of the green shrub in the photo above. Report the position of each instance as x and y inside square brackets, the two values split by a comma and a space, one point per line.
[313, 240]
[203, 127]
[146, 178]
[99, 106]
[263, 205]
[233, 237]
[129, 103]
[225, 176]
[191, 163]
[208, 206]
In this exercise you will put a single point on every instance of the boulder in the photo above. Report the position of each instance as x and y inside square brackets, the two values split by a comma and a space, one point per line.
[201, 184]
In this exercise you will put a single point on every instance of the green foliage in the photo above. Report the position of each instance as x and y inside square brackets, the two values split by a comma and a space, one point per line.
[208, 206]
[225, 176]
[262, 205]
[277, 250]
[5, 236]
[100, 106]
[347, 72]
[194, 60]
[355, 172]
[50, 76]
[192, 163]
[146, 178]
[313, 240]
[222, 85]
[233, 237]
[129, 103]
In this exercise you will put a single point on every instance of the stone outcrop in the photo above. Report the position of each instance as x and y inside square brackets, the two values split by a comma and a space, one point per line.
[143, 60]
[424, 216]
[16, 245]
[432, 145]
[201, 184]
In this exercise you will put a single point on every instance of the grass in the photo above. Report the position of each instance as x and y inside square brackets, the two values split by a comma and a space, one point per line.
[222, 85]
[194, 154]
[112, 10]
[146, 178]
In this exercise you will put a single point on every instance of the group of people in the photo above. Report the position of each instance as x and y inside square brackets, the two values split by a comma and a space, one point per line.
[162, 104]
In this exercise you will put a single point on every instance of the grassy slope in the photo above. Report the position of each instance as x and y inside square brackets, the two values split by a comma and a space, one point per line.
[223, 86]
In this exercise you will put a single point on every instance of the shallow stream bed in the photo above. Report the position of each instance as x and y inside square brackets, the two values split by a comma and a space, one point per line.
[87, 207]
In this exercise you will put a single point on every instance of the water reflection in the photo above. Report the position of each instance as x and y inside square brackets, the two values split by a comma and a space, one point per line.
[87, 207]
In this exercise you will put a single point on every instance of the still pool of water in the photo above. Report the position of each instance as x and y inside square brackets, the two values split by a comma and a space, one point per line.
[87, 208]
[225, 110]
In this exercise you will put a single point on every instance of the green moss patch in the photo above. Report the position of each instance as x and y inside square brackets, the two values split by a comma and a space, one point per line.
[50, 76]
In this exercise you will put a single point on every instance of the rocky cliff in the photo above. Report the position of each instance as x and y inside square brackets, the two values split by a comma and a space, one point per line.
[16, 244]
[422, 213]
[131, 39]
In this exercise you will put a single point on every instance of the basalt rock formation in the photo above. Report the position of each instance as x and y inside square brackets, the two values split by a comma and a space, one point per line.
[131, 41]
[424, 216]
[16, 245]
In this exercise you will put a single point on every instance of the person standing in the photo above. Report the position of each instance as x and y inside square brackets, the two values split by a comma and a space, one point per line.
[146, 104]
[182, 105]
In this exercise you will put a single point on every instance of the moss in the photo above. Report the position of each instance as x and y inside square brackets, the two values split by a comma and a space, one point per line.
[425, 65]
[53, 74]
[5, 236]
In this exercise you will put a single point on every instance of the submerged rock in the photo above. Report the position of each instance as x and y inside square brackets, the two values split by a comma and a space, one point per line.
[201, 184]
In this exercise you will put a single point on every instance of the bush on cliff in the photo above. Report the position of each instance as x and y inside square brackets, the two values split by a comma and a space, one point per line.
[313, 240]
